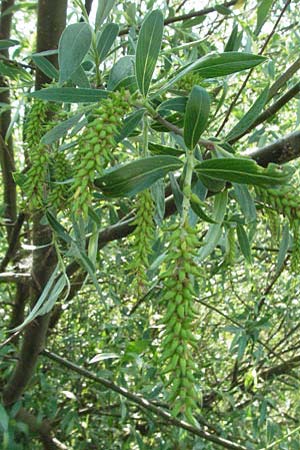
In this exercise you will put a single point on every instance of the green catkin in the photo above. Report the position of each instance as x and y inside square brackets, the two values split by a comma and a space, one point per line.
[59, 195]
[187, 82]
[95, 147]
[34, 186]
[177, 337]
[285, 200]
[143, 239]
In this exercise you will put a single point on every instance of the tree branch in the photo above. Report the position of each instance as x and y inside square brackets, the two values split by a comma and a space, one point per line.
[236, 97]
[271, 111]
[191, 15]
[144, 403]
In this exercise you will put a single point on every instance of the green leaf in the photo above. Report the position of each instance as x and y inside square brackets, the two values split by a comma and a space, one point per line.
[104, 8]
[45, 66]
[106, 39]
[283, 248]
[60, 130]
[4, 419]
[6, 43]
[129, 124]
[215, 230]
[174, 104]
[80, 78]
[230, 45]
[177, 192]
[249, 118]
[245, 201]
[262, 14]
[136, 176]
[216, 65]
[200, 213]
[58, 228]
[196, 116]
[124, 68]
[70, 95]
[73, 45]
[244, 242]
[159, 149]
[148, 48]
[244, 171]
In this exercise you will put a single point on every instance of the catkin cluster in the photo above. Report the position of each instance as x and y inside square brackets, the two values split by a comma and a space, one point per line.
[177, 338]
[34, 186]
[143, 238]
[95, 146]
[285, 200]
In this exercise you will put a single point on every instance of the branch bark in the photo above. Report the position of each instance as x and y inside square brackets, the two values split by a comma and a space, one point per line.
[6, 148]
[51, 22]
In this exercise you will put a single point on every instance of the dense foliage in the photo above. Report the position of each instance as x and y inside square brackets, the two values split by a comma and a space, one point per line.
[150, 220]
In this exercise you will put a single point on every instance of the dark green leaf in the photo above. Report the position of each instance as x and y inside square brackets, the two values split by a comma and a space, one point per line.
[129, 124]
[106, 39]
[177, 192]
[283, 248]
[230, 45]
[80, 78]
[148, 47]
[243, 170]
[262, 14]
[6, 43]
[45, 66]
[70, 95]
[249, 118]
[196, 116]
[58, 228]
[60, 130]
[4, 419]
[245, 201]
[244, 242]
[159, 149]
[174, 104]
[200, 213]
[74, 44]
[216, 65]
[136, 176]
[123, 69]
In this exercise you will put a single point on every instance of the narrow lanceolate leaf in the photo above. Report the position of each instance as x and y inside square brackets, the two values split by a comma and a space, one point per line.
[215, 230]
[70, 95]
[244, 242]
[148, 47]
[242, 170]
[45, 66]
[6, 43]
[106, 39]
[216, 65]
[249, 118]
[74, 44]
[104, 8]
[129, 124]
[131, 178]
[196, 116]
[262, 14]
